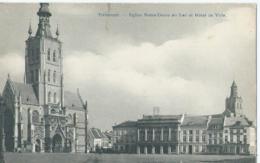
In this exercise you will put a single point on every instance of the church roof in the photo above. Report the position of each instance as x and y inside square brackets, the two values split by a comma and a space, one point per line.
[72, 101]
[195, 121]
[27, 93]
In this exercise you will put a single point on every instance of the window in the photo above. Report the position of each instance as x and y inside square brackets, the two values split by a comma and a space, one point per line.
[184, 132]
[49, 75]
[197, 132]
[54, 76]
[184, 138]
[203, 138]
[36, 75]
[190, 139]
[54, 56]
[49, 97]
[190, 132]
[35, 116]
[32, 76]
[37, 53]
[210, 136]
[226, 139]
[197, 138]
[49, 55]
[215, 141]
[226, 131]
[54, 97]
[220, 135]
[33, 54]
[245, 139]
[75, 120]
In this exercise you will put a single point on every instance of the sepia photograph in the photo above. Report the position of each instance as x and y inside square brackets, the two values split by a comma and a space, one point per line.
[128, 82]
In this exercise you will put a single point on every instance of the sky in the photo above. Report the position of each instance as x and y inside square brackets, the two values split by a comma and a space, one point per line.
[124, 66]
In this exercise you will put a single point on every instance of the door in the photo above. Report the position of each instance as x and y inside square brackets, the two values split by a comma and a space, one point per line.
[57, 143]
[190, 149]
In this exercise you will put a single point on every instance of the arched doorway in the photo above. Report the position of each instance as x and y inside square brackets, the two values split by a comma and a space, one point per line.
[38, 146]
[57, 143]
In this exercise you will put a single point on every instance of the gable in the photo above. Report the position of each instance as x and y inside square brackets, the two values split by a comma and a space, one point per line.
[16, 89]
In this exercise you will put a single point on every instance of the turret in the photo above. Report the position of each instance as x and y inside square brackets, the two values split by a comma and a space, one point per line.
[44, 22]
[233, 92]
[234, 102]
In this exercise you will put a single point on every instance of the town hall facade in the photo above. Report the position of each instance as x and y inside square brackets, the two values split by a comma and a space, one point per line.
[40, 116]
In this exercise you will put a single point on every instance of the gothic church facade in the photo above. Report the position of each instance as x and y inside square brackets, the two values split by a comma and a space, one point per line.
[39, 115]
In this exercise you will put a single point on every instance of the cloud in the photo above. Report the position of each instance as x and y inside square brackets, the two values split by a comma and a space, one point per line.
[12, 64]
[191, 74]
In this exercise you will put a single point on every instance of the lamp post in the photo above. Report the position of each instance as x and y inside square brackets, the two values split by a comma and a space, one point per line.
[2, 160]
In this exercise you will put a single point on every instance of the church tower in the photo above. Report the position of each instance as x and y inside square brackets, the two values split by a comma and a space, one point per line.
[234, 102]
[43, 61]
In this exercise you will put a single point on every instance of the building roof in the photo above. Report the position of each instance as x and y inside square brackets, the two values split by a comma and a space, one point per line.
[72, 101]
[236, 121]
[216, 122]
[195, 121]
[96, 133]
[109, 134]
[126, 124]
[26, 91]
[161, 117]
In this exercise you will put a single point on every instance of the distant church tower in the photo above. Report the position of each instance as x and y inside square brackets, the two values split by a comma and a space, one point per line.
[234, 102]
[43, 61]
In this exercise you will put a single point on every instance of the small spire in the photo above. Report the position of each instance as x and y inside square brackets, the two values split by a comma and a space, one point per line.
[8, 76]
[57, 31]
[234, 84]
[30, 29]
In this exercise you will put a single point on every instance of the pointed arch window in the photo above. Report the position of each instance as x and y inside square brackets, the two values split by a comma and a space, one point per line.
[36, 75]
[49, 55]
[49, 75]
[55, 97]
[54, 76]
[49, 96]
[38, 54]
[54, 56]
[32, 76]
[35, 116]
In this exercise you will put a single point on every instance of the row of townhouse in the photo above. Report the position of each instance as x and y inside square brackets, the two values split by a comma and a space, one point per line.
[227, 133]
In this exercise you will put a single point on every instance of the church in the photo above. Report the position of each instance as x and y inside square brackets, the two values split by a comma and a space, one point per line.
[39, 115]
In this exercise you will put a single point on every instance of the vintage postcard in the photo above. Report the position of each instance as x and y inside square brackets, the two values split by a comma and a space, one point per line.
[127, 83]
